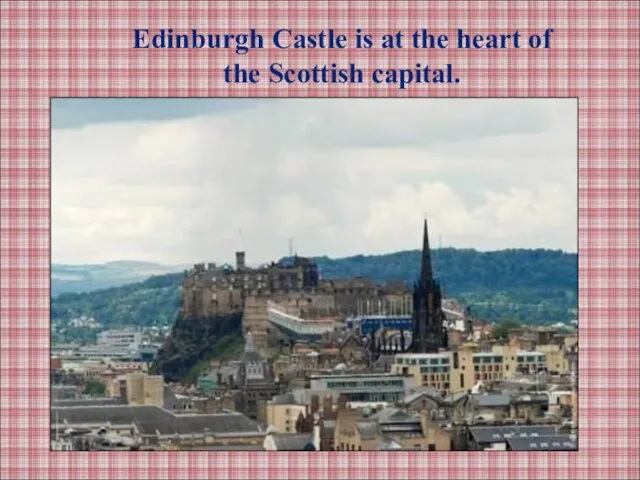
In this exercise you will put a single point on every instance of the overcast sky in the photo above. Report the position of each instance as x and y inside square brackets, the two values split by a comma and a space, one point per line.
[181, 181]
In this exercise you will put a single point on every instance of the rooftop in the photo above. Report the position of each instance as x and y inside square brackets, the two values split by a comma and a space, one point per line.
[151, 420]
[368, 429]
[502, 433]
[86, 402]
[491, 400]
[356, 375]
[394, 415]
[424, 355]
[293, 442]
[553, 442]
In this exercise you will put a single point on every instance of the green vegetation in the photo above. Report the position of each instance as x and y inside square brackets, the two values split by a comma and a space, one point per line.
[531, 286]
[81, 335]
[194, 342]
[228, 347]
[94, 388]
[502, 330]
[155, 301]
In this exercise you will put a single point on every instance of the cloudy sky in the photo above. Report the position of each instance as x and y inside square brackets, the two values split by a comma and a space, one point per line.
[180, 181]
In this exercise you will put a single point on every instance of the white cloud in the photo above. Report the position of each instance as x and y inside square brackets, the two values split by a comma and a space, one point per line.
[340, 177]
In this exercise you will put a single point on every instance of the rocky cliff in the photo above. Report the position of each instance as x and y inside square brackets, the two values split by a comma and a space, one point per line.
[191, 341]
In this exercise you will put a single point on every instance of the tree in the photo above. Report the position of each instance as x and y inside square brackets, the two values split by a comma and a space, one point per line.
[502, 330]
[94, 388]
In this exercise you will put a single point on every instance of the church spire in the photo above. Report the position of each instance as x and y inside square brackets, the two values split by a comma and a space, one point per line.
[427, 271]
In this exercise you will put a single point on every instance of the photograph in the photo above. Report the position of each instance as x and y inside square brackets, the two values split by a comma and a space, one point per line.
[314, 274]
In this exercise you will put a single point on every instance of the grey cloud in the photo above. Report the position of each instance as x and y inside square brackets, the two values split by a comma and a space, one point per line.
[329, 173]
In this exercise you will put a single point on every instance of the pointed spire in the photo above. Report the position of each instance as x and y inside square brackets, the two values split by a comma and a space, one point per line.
[427, 271]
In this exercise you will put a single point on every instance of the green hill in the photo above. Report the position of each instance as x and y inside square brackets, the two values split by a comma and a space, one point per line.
[534, 286]
[154, 301]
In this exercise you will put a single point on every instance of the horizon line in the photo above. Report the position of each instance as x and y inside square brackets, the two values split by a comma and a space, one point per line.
[178, 263]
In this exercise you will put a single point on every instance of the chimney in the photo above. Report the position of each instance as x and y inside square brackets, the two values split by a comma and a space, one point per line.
[315, 404]
[240, 260]
[316, 435]
[327, 404]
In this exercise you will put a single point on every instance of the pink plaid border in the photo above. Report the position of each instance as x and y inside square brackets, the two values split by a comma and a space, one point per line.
[83, 49]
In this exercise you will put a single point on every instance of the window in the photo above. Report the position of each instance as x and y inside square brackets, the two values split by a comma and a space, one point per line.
[455, 360]
[461, 380]
[432, 447]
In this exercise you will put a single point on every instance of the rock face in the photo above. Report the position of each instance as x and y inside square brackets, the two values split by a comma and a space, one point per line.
[191, 340]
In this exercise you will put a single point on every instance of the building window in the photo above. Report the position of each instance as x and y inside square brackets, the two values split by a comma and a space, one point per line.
[432, 447]
[461, 380]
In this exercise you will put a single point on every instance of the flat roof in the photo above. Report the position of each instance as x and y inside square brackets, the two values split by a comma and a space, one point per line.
[356, 375]
[423, 355]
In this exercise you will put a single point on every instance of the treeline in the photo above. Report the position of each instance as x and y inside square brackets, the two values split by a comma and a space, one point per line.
[155, 301]
[532, 286]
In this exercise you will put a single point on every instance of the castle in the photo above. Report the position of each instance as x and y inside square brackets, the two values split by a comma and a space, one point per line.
[221, 290]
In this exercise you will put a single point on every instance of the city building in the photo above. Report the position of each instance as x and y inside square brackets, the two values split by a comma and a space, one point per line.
[256, 382]
[555, 359]
[127, 338]
[365, 387]
[459, 370]
[289, 442]
[150, 425]
[283, 412]
[387, 429]
[144, 389]
[496, 437]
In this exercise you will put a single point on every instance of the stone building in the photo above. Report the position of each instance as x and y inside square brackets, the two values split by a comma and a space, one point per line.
[150, 425]
[283, 412]
[389, 428]
[217, 289]
[256, 382]
[144, 389]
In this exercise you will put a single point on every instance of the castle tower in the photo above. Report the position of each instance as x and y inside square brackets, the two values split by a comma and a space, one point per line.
[240, 261]
[429, 333]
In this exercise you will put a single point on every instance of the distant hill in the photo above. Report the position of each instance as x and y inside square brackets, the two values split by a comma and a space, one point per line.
[534, 286]
[86, 278]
